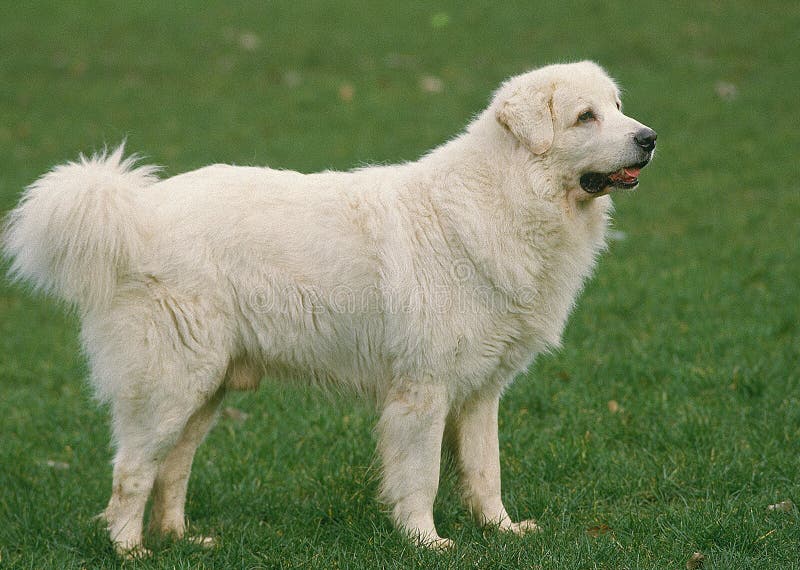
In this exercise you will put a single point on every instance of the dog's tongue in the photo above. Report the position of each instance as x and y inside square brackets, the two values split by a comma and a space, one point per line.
[626, 174]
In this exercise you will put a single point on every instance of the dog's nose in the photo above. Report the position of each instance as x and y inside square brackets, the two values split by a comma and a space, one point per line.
[646, 138]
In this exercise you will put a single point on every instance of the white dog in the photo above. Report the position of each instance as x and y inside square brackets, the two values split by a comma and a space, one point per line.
[424, 287]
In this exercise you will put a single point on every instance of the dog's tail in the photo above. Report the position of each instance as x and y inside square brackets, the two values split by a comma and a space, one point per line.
[80, 227]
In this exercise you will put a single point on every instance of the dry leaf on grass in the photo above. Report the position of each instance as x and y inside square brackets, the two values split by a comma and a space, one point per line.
[726, 91]
[786, 506]
[249, 41]
[613, 406]
[292, 78]
[598, 530]
[695, 561]
[235, 414]
[431, 84]
[346, 92]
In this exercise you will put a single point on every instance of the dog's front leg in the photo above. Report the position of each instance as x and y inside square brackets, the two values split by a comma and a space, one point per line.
[410, 435]
[473, 435]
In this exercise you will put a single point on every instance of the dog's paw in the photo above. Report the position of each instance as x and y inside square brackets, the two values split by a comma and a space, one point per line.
[132, 553]
[522, 528]
[438, 544]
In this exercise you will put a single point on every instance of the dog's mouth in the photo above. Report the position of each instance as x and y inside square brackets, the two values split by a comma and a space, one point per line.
[627, 177]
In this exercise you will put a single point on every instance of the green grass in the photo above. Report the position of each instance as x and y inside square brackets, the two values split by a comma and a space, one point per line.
[690, 325]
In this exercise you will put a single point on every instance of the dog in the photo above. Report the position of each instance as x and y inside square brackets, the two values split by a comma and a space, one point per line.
[424, 288]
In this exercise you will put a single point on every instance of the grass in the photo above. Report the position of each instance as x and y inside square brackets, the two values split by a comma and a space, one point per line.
[690, 325]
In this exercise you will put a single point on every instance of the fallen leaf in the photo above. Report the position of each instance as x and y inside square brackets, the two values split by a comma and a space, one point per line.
[726, 91]
[235, 414]
[695, 561]
[786, 506]
[613, 406]
[431, 84]
[249, 41]
[598, 530]
[292, 79]
[347, 92]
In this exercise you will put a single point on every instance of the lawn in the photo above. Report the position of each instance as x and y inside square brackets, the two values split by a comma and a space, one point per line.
[667, 424]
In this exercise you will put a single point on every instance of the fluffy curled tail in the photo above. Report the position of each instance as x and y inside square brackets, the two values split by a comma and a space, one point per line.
[79, 227]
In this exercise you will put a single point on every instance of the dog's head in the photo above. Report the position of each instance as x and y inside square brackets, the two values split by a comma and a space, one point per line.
[570, 117]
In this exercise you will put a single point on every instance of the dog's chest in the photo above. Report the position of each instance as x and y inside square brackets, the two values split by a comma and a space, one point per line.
[537, 286]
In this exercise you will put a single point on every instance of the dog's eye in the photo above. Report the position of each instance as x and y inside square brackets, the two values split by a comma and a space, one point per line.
[586, 116]
[619, 106]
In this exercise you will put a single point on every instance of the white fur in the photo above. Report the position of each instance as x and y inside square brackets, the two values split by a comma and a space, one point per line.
[424, 287]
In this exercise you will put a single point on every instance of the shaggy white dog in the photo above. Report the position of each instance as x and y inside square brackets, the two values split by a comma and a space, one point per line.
[424, 287]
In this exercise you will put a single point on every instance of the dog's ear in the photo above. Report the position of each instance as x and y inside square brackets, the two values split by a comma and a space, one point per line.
[526, 112]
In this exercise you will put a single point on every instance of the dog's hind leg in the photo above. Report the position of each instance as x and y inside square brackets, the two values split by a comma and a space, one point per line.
[146, 430]
[169, 490]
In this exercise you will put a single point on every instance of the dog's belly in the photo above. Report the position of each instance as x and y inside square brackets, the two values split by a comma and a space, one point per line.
[322, 337]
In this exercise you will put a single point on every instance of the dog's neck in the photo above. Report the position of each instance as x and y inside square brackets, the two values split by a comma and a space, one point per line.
[493, 166]
[495, 197]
